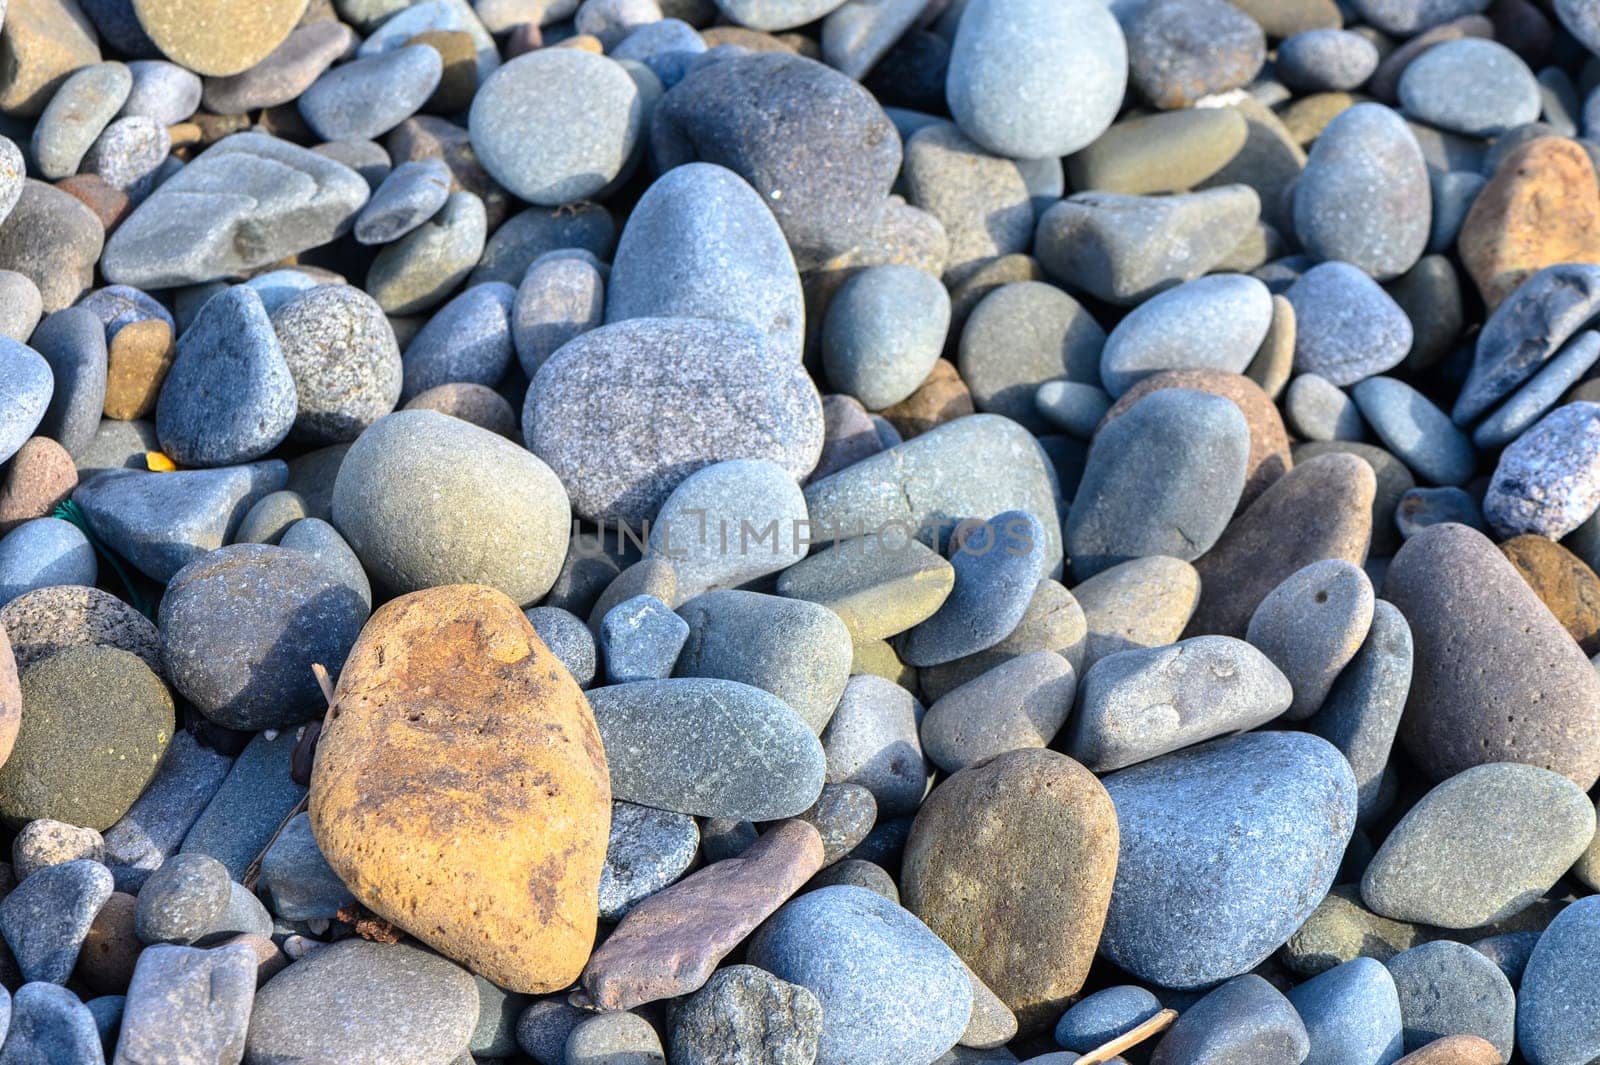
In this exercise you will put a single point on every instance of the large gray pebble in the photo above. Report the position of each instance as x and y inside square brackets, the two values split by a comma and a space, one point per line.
[884, 331]
[188, 1005]
[562, 296]
[1311, 626]
[1471, 86]
[1346, 326]
[872, 741]
[50, 1024]
[425, 499]
[162, 91]
[367, 98]
[1139, 704]
[1020, 703]
[998, 564]
[183, 901]
[46, 918]
[1021, 335]
[1210, 323]
[647, 850]
[296, 880]
[1415, 431]
[1558, 1002]
[982, 201]
[730, 523]
[83, 105]
[468, 339]
[341, 353]
[701, 243]
[1326, 60]
[1548, 481]
[1447, 988]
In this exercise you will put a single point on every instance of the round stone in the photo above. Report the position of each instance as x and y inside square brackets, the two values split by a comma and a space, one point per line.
[218, 37]
[561, 297]
[426, 500]
[744, 1013]
[556, 125]
[1181, 50]
[1449, 989]
[1020, 703]
[225, 625]
[30, 384]
[889, 988]
[365, 99]
[1415, 431]
[1101, 1017]
[1311, 626]
[1558, 1001]
[183, 901]
[48, 620]
[1326, 60]
[341, 353]
[466, 340]
[1029, 79]
[471, 402]
[1471, 86]
[1216, 323]
[1346, 326]
[41, 553]
[1548, 481]
[1021, 335]
[884, 331]
[871, 740]
[83, 106]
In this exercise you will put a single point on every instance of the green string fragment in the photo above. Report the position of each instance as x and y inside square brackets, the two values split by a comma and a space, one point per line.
[69, 511]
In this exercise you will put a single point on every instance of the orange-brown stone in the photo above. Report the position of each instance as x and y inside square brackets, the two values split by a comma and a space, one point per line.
[943, 396]
[40, 475]
[1455, 1050]
[137, 361]
[460, 788]
[1563, 581]
[1542, 207]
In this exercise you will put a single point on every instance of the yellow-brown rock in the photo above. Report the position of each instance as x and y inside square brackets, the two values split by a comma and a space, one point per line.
[460, 788]
[137, 361]
[44, 41]
[1542, 207]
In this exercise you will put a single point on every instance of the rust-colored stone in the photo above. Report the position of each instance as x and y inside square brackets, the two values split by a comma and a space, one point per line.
[1563, 581]
[40, 475]
[460, 787]
[109, 203]
[1011, 862]
[137, 361]
[1455, 1050]
[1269, 456]
[942, 397]
[1542, 207]
[670, 943]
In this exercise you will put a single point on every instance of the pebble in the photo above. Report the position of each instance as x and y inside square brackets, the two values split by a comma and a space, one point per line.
[476, 404]
[419, 271]
[224, 619]
[165, 92]
[1318, 409]
[997, 563]
[556, 126]
[365, 99]
[1557, 997]
[647, 851]
[1457, 714]
[1102, 1016]
[640, 639]
[342, 355]
[1563, 582]
[1351, 1015]
[1018, 704]
[1545, 481]
[587, 403]
[193, 228]
[51, 619]
[183, 901]
[72, 341]
[1418, 433]
[843, 815]
[398, 532]
[885, 329]
[1445, 863]
[244, 811]
[982, 201]
[1347, 328]
[1181, 449]
[1215, 322]
[467, 340]
[44, 843]
[359, 1001]
[527, 236]
[1143, 602]
[888, 986]
[1540, 394]
[1450, 989]
[824, 180]
[1326, 60]
[1364, 198]
[1052, 621]
[1475, 87]
[569, 640]
[617, 1038]
[875, 585]
[138, 358]
[217, 39]
[1124, 249]
[1168, 151]
[1526, 330]
[1021, 335]
[24, 407]
[796, 650]
[296, 879]
[49, 1023]
[1182, 50]
[40, 475]
[1189, 908]
[85, 104]
[1244, 1020]
[1032, 940]
[1362, 710]
[759, 775]
[41, 553]
[702, 244]
[53, 240]
[411, 194]
[746, 1012]
[561, 297]
[1010, 64]
[525, 925]
[668, 47]
[185, 1001]
[728, 524]
[872, 740]
[23, 306]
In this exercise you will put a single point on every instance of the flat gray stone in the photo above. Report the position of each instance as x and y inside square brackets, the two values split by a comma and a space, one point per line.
[188, 1005]
[1210, 323]
[647, 851]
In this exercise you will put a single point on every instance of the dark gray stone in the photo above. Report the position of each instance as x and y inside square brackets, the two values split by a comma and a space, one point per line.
[247, 809]
[1448, 988]
[45, 918]
[1243, 1022]
[647, 851]
[999, 561]
[746, 1014]
[50, 1026]
[411, 194]
[183, 901]
[73, 342]
[640, 639]
[296, 879]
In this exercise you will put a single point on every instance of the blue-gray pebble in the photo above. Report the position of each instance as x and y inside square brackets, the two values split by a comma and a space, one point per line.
[1210, 323]
[1558, 1003]
[244, 814]
[411, 194]
[1104, 1015]
[885, 328]
[1346, 326]
[29, 385]
[1530, 402]
[229, 396]
[43, 552]
[296, 880]
[468, 339]
[1418, 433]
[364, 99]
[50, 1024]
[73, 342]
[568, 638]
[998, 563]
[1190, 906]
[640, 639]
[646, 851]
[1246, 1021]
[666, 46]
[46, 918]
[1477, 87]
[1447, 988]
[1351, 1014]
[1326, 60]
[890, 990]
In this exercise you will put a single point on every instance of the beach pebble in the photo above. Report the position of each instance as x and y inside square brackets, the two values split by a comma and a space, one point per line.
[1318, 409]
[420, 270]
[41, 553]
[1214, 322]
[182, 901]
[343, 359]
[878, 586]
[1021, 335]
[885, 329]
[84, 105]
[647, 851]
[569, 639]
[46, 918]
[998, 561]
[243, 813]
[1182, 50]
[640, 639]
[1326, 60]
[1347, 328]
[411, 194]
[872, 740]
[1546, 481]
[1246, 1019]
[982, 201]
[560, 297]
[188, 1001]
[27, 400]
[366, 98]
[1557, 996]
[50, 1023]
[748, 1012]
[296, 880]
[1351, 1014]
[1476, 87]
[1311, 626]
[1414, 430]
[467, 340]
[1450, 989]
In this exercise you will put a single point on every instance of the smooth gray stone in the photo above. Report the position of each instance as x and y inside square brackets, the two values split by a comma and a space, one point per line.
[1364, 197]
[1246, 1020]
[667, 47]
[1415, 431]
[271, 517]
[1453, 194]
[710, 748]
[468, 339]
[1211, 323]
[729, 524]
[890, 989]
[408, 21]
[322, 541]
[1317, 409]
[1326, 60]
[132, 155]
[701, 243]
[1190, 906]
[544, 1026]
[1074, 408]
[1558, 1005]
[30, 385]
[1542, 392]
[42, 552]
[1351, 1014]
[232, 210]
[365, 99]
[50, 1026]
[81, 106]
[160, 522]
[885, 328]
[1347, 328]
[46, 918]
[1311, 626]
[1529, 328]
[1162, 479]
[998, 562]
[1143, 703]
[1031, 79]
[107, 1012]
[1446, 864]
[647, 850]
[1019, 703]
[419, 271]
[1448, 988]
[73, 342]
[20, 306]
[296, 879]
[411, 194]
[568, 638]
[187, 1005]
[362, 1003]
[184, 901]
[154, 826]
[1021, 335]
[495, 1036]
[873, 741]
[247, 809]
[1422, 507]
[525, 237]
[640, 639]
[1103, 1015]
[1472, 86]
[562, 295]
[981, 201]
[288, 70]
[161, 91]
[799, 651]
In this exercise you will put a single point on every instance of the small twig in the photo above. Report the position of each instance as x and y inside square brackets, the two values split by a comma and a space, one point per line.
[252, 872]
[324, 681]
[1131, 1038]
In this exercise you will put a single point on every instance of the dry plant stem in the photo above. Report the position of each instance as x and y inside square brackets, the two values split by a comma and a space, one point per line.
[1131, 1038]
